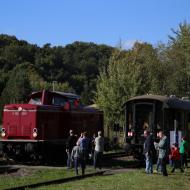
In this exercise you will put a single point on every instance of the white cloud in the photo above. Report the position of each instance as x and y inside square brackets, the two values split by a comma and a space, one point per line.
[128, 44]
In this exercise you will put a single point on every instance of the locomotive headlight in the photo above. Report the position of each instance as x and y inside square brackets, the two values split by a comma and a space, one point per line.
[3, 133]
[19, 108]
[35, 133]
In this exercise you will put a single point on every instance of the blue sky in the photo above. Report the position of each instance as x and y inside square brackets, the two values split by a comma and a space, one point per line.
[61, 22]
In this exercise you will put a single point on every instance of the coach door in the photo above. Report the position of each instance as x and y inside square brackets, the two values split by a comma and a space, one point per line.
[143, 118]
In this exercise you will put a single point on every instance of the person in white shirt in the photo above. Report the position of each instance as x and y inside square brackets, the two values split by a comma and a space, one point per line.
[99, 149]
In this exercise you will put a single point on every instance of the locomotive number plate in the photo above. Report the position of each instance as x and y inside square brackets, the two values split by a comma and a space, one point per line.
[15, 113]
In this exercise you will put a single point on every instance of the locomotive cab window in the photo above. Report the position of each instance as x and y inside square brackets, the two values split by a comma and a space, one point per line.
[36, 101]
[58, 101]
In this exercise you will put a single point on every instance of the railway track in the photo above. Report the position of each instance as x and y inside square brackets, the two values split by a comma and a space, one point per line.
[8, 161]
[115, 154]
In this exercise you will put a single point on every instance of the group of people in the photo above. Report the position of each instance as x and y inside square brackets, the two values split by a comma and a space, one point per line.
[177, 156]
[79, 149]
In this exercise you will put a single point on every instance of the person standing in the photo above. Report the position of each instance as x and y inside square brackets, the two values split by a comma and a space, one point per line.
[183, 152]
[99, 149]
[163, 148]
[79, 158]
[175, 157]
[148, 151]
[84, 143]
[93, 147]
[70, 143]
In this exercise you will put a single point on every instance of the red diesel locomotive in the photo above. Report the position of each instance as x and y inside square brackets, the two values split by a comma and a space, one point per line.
[38, 130]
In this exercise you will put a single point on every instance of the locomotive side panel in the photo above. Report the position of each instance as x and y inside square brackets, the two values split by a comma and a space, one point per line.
[85, 121]
[47, 123]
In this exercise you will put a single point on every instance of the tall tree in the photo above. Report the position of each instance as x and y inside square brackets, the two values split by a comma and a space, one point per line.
[17, 88]
[116, 85]
[178, 54]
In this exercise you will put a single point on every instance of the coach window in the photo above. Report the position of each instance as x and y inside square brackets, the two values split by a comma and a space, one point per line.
[159, 117]
[188, 127]
[179, 120]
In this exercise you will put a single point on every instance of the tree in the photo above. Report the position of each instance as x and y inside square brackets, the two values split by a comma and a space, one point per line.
[146, 57]
[17, 88]
[116, 86]
[178, 55]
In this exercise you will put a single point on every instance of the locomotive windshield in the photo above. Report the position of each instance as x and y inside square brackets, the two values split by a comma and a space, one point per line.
[59, 101]
[35, 101]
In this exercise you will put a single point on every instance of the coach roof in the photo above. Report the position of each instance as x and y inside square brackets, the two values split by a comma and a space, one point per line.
[150, 97]
[168, 102]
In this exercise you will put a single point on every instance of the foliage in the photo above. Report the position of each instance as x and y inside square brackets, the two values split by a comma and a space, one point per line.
[129, 73]
[116, 85]
[75, 67]
[106, 75]
[162, 70]
[179, 60]
[17, 88]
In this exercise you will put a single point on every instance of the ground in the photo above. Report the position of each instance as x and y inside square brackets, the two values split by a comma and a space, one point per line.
[120, 173]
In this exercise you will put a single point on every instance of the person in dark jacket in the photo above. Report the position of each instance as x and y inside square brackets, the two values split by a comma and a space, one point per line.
[70, 143]
[84, 144]
[148, 151]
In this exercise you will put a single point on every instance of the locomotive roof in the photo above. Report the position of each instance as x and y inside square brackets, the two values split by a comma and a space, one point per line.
[68, 95]
[168, 102]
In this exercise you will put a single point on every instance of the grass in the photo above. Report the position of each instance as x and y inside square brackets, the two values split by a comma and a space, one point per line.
[132, 180]
[29, 176]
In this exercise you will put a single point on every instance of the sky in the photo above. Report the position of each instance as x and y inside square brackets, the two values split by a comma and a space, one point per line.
[61, 22]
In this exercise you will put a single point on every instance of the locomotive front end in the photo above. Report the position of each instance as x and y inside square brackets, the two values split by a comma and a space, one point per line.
[19, 133]
[19, 122]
